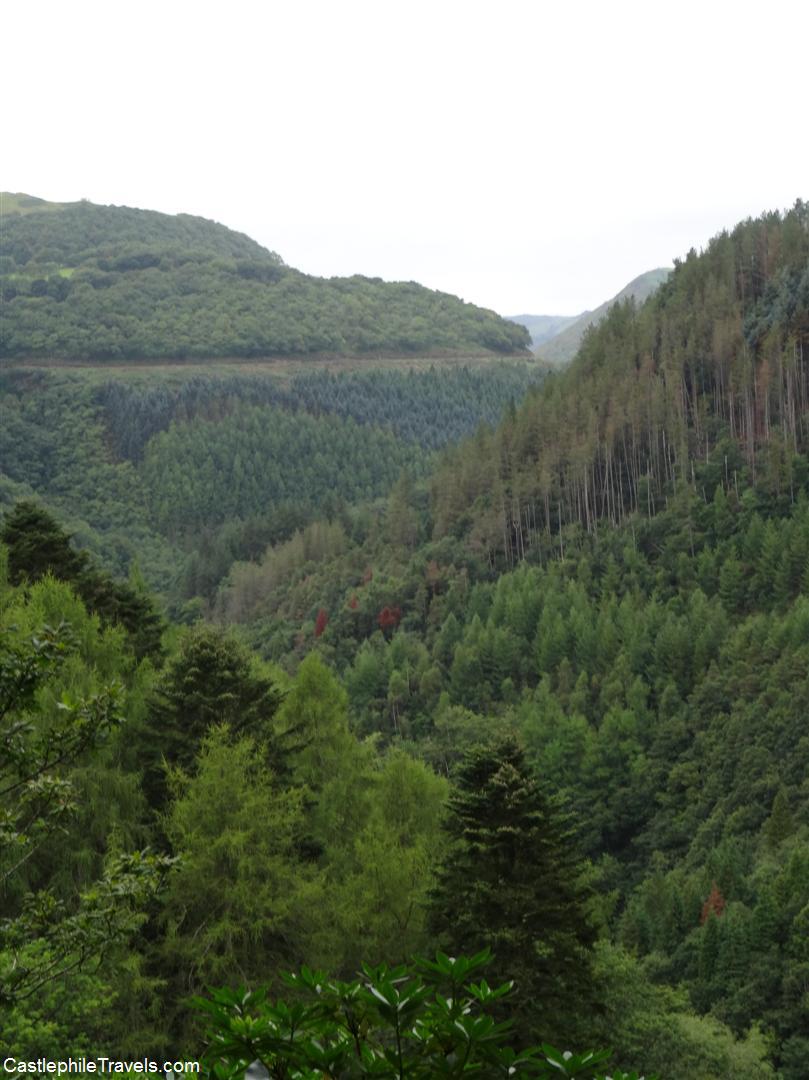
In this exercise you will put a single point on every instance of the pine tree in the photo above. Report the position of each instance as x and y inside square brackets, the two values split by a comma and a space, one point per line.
[511, 881]
[709, 952]
[402, 523]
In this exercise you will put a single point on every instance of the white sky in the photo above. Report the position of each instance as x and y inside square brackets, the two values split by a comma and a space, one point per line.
[528, 156]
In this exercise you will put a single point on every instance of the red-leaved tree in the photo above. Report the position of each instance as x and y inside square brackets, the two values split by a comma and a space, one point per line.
[714, 905]
[388, 618]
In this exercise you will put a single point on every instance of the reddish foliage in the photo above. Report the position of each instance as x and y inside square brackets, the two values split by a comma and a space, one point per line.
[367, 576]
[389, 617]
[321, 622]
[352, 603]
[715, 904]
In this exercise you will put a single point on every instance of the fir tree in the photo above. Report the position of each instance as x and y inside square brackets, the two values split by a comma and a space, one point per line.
[511, 881]
[38, 546]
[212, 680]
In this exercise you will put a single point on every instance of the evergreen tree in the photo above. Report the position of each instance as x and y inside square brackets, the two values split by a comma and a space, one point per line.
[57, 944]
[212, 680]
[38, 546]
[511, 881]
[402, 524]
[780, 823]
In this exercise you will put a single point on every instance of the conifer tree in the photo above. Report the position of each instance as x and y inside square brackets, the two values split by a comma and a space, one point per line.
[402, 524]
[212, 680]
[511, 881]
[780, 823]
[38, 546]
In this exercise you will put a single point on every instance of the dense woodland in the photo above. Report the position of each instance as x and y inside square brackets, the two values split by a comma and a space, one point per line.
[82, 281]
[177, 475]
[543, 693]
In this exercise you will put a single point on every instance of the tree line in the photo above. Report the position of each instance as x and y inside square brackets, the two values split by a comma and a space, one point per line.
[114, 283]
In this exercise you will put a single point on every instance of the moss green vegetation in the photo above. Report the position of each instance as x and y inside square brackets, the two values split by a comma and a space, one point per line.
[113, 283]
[619, 572]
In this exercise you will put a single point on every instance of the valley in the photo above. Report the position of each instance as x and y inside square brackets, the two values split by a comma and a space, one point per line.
[356, 657]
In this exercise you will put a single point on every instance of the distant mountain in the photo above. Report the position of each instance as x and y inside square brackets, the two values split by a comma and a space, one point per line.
[560, 348]
[543, 327]
[81, 281]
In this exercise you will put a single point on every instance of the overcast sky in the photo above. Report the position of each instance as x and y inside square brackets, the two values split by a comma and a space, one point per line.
[528, 156]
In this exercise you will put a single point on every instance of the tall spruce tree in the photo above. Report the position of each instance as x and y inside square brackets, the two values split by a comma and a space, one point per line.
[512, 881]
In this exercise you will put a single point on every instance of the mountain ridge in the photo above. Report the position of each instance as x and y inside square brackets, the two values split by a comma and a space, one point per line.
[543, 327]
[556, 338]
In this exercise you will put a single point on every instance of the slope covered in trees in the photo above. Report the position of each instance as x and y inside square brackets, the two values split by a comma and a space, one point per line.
[182, 473]
[719, 352]
[330, 836]
[657, 677]
[80, 281]
[288, 838]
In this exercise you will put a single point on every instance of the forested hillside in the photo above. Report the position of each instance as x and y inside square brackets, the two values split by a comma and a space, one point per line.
[541, 691]
[719, 352]
[285, 837]
[80, 281]
[178, 474]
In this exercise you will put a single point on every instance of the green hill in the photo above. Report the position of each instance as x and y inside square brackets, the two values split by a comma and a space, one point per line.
[80, 281]
[563, 345]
